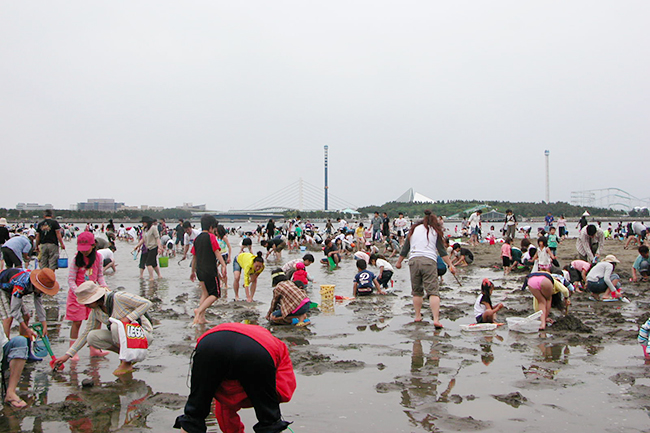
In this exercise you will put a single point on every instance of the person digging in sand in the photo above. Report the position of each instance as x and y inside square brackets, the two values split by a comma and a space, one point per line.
[290, 304]
[541, 285]
[125, 307]
[483, 309]
[236, 366]
[423, 246]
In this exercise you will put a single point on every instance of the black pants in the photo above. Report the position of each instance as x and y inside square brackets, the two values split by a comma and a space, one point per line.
[11, 259]
[228, 355]
[385, 278]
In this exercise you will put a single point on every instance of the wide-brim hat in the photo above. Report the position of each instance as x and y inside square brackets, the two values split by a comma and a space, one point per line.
[89, 292]
[45, 281]
[3, 221]
[586, 214]
[611, 259]
[146, 219]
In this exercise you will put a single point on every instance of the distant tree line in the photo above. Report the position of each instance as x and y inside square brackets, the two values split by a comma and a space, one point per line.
[524, 209]
[95, 215]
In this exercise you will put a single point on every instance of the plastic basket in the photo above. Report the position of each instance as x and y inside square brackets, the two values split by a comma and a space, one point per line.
[303, 248]
[163, 261]
[526, 325]
[327, 292]
[62, 262]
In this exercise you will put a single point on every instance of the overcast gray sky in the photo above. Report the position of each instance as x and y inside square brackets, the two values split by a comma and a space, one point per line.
[225, 103]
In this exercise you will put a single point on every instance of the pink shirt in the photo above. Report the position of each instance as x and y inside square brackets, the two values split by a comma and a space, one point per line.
[94, 273]
[580, 265]
[506, 251]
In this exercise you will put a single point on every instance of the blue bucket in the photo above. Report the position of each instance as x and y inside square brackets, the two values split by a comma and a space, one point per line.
[303, 248]
[62, 262]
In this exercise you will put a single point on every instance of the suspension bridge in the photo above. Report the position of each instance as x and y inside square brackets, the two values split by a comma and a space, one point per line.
[299, 196]
[608, 198]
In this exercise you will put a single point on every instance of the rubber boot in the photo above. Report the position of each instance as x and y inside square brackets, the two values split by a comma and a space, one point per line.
[76, 355]
[95, 352]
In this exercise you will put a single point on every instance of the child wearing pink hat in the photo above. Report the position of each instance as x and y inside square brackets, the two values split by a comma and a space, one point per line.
[86, 266]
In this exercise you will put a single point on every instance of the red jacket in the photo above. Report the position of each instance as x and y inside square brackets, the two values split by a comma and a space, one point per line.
[230, 397]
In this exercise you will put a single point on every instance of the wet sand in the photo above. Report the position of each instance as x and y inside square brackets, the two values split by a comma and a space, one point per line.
[364, 365]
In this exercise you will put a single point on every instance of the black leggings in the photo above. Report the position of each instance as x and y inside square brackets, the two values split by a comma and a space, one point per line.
[228, 355]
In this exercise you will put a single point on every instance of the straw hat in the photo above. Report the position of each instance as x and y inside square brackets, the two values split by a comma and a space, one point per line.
[586, 214]
[45, 281]
[611, 259]
[89, 292]
[3, 221]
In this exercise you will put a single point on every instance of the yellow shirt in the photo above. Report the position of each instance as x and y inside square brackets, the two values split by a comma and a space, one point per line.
[246, 260]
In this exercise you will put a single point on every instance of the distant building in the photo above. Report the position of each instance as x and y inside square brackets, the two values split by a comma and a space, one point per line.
[102, 204]
[33, 206]
[413, 197]
[191, 207]
[142, 207]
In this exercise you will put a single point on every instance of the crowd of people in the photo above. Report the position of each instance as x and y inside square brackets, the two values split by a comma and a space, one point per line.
[429, 248]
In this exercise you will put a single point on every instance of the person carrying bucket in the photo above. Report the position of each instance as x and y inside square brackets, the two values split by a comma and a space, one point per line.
[151, 240]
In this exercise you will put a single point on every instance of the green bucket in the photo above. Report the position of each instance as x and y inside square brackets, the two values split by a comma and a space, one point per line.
[163, 261]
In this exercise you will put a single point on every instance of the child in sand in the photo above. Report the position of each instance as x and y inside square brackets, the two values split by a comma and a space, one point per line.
[553, 240]
[544, 255]
[506, 256]
[205, 255]
[643, 338]
[385, 269]
[483, 309]
[365, 281]
[641, 265]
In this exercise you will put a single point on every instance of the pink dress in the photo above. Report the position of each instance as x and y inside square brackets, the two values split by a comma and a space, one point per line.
[75, 311]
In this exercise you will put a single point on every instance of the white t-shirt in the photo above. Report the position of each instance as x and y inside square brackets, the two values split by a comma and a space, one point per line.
[343, 224]
[638, 227]
[474, 220]
[383, 263]
[544, 256]
[400, 223]
[189, 239]
[479, 307]
[106, 254]
[421, 246]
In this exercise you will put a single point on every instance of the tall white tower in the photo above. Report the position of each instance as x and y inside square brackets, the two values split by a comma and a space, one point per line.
[548, 182]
